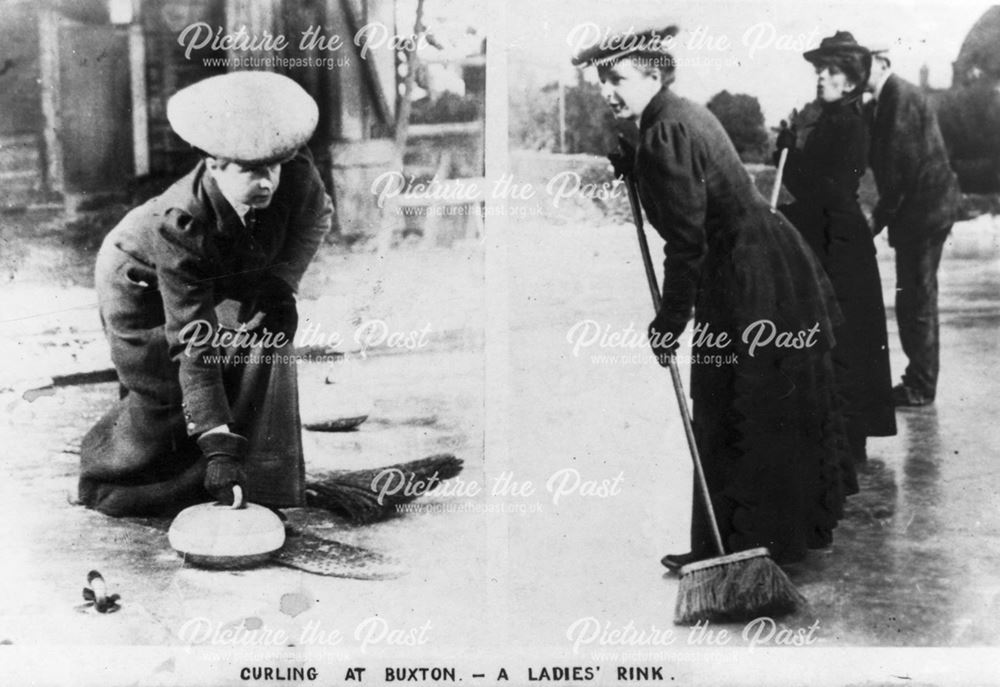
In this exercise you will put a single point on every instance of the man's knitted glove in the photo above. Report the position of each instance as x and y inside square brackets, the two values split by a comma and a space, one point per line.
[225, 452]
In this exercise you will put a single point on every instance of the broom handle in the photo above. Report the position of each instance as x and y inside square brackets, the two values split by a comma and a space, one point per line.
[777, 178]
[675, 373]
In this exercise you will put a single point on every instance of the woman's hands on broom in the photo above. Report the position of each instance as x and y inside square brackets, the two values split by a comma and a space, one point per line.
[663, 339]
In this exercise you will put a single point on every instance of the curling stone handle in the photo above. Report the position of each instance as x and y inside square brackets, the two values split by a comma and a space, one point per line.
[238, 500]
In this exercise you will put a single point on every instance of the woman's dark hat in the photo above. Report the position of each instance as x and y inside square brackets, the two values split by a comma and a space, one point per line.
[839, 44]
[614, 46]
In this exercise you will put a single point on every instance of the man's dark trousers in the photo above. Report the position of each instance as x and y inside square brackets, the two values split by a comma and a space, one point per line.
[917, 310]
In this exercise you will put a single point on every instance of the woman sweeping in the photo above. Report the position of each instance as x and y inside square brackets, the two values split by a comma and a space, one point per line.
[766, 426]
[824, 177]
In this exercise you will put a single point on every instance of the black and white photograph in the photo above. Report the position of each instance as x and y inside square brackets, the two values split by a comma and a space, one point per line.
[429, 341]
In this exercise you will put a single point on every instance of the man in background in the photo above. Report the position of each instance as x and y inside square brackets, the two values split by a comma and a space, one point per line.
[918, 201]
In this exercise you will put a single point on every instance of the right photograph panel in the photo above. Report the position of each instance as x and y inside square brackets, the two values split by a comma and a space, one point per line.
[751, 273]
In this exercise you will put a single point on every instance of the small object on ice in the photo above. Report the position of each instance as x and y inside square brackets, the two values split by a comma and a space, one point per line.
[31, 395]
[294, 603]
[340, 424]
[96, 593]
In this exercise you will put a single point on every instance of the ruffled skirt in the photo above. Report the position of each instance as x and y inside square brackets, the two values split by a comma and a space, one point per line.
[768, 422]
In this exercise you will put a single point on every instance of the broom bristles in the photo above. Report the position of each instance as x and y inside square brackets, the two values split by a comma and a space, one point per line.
[735, 588]
[350, 493]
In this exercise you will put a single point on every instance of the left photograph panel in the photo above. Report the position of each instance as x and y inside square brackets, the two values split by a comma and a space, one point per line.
[241, 329]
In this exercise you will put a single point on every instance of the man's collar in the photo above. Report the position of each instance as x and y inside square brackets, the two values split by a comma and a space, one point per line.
[240, 209]
[228, 217]
[881, 83]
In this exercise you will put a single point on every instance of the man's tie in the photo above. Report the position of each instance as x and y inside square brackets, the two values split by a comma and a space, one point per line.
[251, 219]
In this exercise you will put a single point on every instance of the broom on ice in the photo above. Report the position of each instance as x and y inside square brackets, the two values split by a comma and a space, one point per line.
[729, 587]
[356, 494]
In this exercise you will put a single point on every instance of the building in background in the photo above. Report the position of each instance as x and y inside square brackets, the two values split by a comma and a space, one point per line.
[84, 86]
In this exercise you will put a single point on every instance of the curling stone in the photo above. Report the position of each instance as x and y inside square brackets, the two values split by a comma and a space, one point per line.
[213, 535]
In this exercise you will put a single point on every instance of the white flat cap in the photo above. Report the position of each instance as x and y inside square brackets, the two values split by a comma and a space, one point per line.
[247, 117]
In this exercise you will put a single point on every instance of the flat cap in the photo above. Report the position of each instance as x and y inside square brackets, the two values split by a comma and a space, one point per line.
[617, 44]
[247, 117]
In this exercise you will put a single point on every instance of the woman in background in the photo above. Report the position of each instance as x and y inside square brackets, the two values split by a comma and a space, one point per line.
[824, 177]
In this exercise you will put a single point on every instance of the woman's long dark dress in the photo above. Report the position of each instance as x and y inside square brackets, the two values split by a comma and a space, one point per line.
[824, 177]
[766, 424]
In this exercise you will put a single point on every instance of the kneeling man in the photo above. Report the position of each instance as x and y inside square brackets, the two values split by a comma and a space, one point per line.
[196, 290]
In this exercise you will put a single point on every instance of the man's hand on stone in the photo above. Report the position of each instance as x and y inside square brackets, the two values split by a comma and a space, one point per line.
[225, 452]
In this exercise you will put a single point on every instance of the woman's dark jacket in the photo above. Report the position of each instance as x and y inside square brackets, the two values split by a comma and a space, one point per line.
[824, 177]
[766, 424]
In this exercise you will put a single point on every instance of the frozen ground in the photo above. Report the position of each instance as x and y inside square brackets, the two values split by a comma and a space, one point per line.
[420, 401]
[914, 563]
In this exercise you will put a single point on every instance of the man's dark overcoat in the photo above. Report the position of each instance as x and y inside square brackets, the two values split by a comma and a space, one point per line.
[919, 197]
[919, 200]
